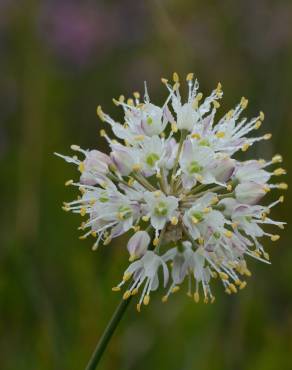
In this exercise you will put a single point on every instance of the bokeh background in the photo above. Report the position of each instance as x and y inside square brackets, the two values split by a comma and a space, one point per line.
[59, 59]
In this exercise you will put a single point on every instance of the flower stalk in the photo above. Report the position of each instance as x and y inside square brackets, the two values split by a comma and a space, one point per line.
[107, 334]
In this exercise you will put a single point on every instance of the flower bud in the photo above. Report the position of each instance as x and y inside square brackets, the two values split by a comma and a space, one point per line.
[138, 244]
[95, 164]
[122, 160]
[249, 192]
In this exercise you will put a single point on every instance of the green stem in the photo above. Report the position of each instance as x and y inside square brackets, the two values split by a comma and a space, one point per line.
[107, 334]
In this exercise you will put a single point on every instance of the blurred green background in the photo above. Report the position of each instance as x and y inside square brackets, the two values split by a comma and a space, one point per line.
[59, 59]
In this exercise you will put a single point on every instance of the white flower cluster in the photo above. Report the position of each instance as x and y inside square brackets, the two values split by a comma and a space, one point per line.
[171, 179]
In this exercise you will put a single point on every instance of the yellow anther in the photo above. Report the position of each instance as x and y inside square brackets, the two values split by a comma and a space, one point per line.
[137, 167]
[223, 275]
[199, 96]
[121, 98]
[228, 234]
[157, 193]
[277, 158]
[214, 275]
[216, 104]
[132, 258]
[81, 167]
[229, 187]
[242, 285]
[174, 220]
[82, 237]
[83, 211]
[196, 136]
[279, 172]
[283, 186]
[175, 289]
[262, 162]
[130, 102]
[69, 182]
[214, 200]
[107, 240]
[164, 299]
[155, 241]
[274, 238]
[136, 228]
[138, 307]
[245, 147]
[94, 234]
[247, 272]
[234, 225]
[201, 241]
[233, 288]
[134, 291]
[229, 114]
[190, 76]
[238, 282]
[66, 208]
[267, 136]
[175, 77]
[136, 95]
[146, 300]
[158, 175]
[220, 134]
[261, 116]
[127, 294]
[75, 147]
[243, 102]
[207, 210]
[219, 88]
[266, 189]
[100, 113]
[196, 297]
[281, 199]
[266, 255]
[131, 181]
[258, 125]
[145, 218]
[195, 220]
[116, 289]
[127, 276]
[102, 133]
[228, 291]
[174, 127]
[164, 80]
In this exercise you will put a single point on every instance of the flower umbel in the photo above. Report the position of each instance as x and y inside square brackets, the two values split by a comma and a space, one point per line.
[172, 179]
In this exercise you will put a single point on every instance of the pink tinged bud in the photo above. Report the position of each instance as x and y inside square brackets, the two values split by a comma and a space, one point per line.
[95, 164]
[123, 161]
[138, 244]
[224, 169]
[249, 192]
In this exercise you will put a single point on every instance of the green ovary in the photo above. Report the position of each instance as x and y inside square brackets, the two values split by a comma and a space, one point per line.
[125, 212]
[194, 167]
[161, 209]
[151, 159]
[198, 216]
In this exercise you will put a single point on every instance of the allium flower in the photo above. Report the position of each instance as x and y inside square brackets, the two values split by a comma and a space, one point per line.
[172, 178]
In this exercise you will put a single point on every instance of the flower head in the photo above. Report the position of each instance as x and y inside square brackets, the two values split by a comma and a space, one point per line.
[173, 179]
